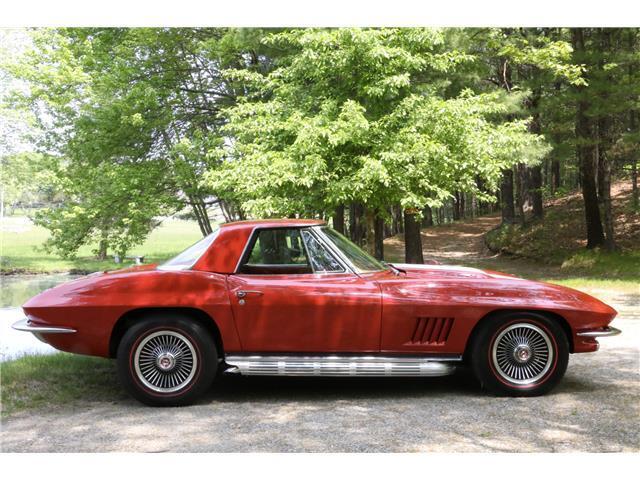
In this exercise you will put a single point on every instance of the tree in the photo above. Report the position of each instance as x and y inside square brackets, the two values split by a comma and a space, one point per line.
[356, 116]
[128, 101]
[526, 63]
[130, 197]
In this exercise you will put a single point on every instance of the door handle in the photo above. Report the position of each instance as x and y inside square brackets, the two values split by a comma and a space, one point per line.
[244, 293]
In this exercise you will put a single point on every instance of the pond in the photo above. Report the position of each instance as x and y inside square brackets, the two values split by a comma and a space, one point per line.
[14, 291]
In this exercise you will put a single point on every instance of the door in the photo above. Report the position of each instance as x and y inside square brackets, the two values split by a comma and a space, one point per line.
[292, 295]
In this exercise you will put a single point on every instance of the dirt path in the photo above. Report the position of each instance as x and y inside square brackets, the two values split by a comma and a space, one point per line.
[462, 243]
[459, 242]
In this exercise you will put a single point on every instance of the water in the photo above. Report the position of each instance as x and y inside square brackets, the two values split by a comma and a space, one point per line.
[17, 289]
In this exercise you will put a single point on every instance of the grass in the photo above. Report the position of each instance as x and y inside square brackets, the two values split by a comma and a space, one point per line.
[21, 248]
[61, 379]
[594, 285]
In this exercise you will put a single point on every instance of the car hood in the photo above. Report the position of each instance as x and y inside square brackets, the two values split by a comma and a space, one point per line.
[445, 283]
[449, 271]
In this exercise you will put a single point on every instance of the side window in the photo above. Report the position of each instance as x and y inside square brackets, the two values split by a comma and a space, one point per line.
[277, 251]
[321, 259]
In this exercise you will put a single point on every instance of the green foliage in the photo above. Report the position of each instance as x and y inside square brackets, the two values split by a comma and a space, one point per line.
[133, 124]
[27, 177]
[359, 115]
[130, 113]
[130, 197]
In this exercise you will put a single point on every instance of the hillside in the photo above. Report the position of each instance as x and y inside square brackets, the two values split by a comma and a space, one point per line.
[560, 238]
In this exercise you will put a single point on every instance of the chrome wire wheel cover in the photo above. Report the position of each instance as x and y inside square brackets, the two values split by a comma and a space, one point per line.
[165, 361]
[522, 353]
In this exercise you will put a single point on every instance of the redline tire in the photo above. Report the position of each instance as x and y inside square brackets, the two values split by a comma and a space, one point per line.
[519, 354]
[167, 359]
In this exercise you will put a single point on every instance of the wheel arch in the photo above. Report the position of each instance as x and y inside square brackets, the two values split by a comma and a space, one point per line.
[130, 317]
[551, 315]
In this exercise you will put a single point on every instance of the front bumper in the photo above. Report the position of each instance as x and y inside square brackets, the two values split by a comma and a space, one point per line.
[25, 325]
[603, 332]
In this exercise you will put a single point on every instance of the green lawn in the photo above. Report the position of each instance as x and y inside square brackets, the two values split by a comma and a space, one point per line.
[38, 381]
[21, 248]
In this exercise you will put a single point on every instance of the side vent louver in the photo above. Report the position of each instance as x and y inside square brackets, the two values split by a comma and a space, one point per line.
[432, 330]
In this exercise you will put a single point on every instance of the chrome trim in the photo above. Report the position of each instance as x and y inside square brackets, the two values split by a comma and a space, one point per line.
[522, 353]
[165, 361]
[345, 269]
[606, 332]
[244, 293]
[25, 325]
[341, 366]
[326, 241]
[331, 248]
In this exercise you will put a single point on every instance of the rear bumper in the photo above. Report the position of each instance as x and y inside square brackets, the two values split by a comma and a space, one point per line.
[25, 325]
[603, 332]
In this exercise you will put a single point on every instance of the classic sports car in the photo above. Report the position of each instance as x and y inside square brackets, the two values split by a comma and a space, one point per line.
[294, 297]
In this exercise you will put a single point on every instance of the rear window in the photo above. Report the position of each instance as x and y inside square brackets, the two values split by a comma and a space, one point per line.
[190, 256]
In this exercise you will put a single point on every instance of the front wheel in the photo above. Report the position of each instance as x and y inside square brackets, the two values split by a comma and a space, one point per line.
[167, 360]
[520, 354]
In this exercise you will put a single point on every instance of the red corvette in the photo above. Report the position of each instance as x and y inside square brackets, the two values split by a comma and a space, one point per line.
[294, 297]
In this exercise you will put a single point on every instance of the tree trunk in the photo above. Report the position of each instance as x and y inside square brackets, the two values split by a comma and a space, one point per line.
[412, 238]
[225, 210]
[338, 219]
[200, 212]
[356, 229]
[399, 222]
[586, 154]
[632, 129]
[370, 242]
[427, 217]
[102, 250]
[535, 177]
[610, 243]
[634, 164]
[600, 182]
[604, 183]
[536, 191]
[205, 214]
[634, 183]
[506, 196]
[521, 191]
[379, 238]
[454, 206]
[555, 175]
[604, 162]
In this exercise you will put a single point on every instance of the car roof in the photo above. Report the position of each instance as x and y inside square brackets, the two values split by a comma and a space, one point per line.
[271, 223]
[223, 254]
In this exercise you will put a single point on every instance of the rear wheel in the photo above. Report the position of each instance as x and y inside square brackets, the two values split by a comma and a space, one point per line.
[167, 360]
[519, 354]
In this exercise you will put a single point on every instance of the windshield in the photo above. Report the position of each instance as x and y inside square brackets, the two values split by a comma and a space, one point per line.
[358, 257]
[188, 258]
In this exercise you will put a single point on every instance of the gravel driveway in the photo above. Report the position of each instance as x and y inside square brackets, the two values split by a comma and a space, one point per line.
[596, 409]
